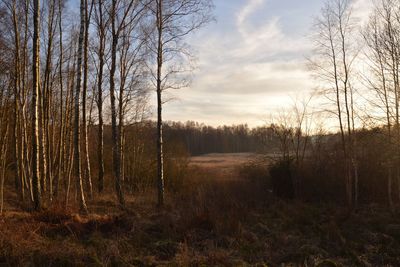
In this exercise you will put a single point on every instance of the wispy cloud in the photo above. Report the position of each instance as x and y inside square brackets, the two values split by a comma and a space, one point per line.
[245, 12]
[362, 10]
[246, 70]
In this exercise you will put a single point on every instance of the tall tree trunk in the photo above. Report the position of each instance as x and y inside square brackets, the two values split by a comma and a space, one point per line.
[46, 105]
[3, 163]
[77, 156]
[121, 120]
[394, 68]
[19, 174]
[35, 109]
[115, 143]
[388, 120]
[346, 89]
[69, 124]
[26, 149]
[42, 138]
[160, 156]
[61, 144]
[339, 110]
[87, 172]
[100, 147]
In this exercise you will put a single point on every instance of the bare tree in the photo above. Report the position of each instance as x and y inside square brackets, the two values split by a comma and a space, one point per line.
[68, 117]
[4, 133]
[46, 98]
[35, 108]
[332, 65]
[303, 119]
[101, 24]
[77, 156]
[174, 20]
[115, 28]
[122, 16]
[61, 142]
[19, 174]
[381, 36]
[6, 82]
[87, 174]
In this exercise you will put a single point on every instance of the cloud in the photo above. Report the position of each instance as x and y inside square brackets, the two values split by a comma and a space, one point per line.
[267, 38]
[245, 12]
[362, 10]
[256, 78]
[245, 71]
[218, 109]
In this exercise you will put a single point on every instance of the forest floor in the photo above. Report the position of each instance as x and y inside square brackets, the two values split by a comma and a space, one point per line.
[210, 222]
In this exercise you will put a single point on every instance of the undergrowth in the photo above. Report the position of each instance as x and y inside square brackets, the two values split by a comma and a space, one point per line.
[209, 220]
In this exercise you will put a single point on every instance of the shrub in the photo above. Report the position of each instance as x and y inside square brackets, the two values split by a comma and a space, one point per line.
[282, 178]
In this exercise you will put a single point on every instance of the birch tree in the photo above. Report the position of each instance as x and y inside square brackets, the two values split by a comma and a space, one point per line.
[173, 21]
[6, 89]
[101, 24]
[46, 102]
[77, 155]
[35, 108]
[333, 66]
[61, 142]
[87, 174]
[381, 36]
[123, 15]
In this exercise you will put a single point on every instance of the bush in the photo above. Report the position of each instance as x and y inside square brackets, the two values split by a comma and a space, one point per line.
[255, 172]
[281, 173]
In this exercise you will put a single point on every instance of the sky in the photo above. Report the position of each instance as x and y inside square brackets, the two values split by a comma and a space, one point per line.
[251, 62]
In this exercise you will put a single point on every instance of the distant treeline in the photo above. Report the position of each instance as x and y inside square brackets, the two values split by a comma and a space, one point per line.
[203, 139]
[198, 138]
[182, 140]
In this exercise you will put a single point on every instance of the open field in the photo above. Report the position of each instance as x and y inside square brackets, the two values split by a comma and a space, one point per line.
[222, 159]
[223, 163]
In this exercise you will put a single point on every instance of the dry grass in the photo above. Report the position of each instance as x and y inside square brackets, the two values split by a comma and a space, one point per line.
[222, 164]
[211, 220]
[224, 158]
